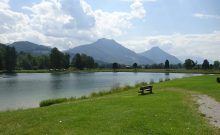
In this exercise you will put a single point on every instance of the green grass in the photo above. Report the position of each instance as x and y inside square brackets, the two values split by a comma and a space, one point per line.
[52, 101]
[170, 110]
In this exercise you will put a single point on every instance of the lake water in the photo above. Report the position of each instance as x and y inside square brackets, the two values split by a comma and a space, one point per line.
[26, 90]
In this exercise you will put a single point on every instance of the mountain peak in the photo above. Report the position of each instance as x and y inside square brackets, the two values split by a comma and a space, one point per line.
[23, 42]
[109, 51]
[156, 48]
[159, 56]
[105, 40]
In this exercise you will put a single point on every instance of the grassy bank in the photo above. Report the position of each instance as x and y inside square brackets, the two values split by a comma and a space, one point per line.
[170, 110]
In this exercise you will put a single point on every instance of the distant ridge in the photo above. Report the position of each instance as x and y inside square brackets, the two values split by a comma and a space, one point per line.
[109, 51]
[29, 47]
[159, 56]
[104, 51]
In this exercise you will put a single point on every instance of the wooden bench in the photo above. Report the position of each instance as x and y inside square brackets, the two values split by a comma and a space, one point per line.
[218, 79]
[145, 88]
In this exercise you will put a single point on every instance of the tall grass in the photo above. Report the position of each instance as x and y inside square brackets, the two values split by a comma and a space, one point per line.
[52, 101]
[114, 89]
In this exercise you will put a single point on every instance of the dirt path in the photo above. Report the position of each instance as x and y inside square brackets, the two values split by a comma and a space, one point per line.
[210, 107]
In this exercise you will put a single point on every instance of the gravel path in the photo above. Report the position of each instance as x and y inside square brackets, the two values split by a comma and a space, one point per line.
[210, 107]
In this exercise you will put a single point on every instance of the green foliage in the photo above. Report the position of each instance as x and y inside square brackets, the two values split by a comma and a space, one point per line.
[135, 65]
[216, 64]
[115, 66]
[205, 64]
[1, 61]
[10, 58]
[26, 61]
[56, 58]
[189, 64]
[83, 61]
[167, 64]
[52, 101]
[59, 60]
[66, 61]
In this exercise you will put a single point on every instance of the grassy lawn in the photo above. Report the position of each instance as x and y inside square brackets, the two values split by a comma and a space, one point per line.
[170, 110]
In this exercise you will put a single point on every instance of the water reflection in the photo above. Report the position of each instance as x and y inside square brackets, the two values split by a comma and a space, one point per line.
[56, 81]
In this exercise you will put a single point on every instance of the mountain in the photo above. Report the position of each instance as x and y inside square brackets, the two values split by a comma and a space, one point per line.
[159, 56]
[29, 47]
[110, 51]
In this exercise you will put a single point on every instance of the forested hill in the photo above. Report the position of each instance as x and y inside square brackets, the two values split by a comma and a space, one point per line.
[28, 47]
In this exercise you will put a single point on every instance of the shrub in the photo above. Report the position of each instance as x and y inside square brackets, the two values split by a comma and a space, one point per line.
[160, 80]
[151, 81]
[167, 79]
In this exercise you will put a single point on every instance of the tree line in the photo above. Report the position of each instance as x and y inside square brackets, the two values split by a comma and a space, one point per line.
[10, 60]
[188, 64]
[56, 60]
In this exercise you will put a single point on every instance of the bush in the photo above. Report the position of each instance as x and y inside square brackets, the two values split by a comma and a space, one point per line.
[151, 81]
[52, 101]
[160, 80]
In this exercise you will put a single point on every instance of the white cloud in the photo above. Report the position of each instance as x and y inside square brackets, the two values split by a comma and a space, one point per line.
[206, 16]
[181, 45]
[4, 4]
[137, 9]
[67, 22]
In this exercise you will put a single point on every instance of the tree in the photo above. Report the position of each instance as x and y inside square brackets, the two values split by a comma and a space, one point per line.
[189, 64]
[167, 64]
[135, 66]
[115, 66]
[56, 59]
[205, 64]
[1, 61]
[83, 61]
[66, 61]
[77, 62]
[10, 58]
[43, 62]
[216, 64]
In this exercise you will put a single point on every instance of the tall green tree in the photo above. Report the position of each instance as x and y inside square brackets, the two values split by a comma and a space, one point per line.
[216, 64]
[56, 59]
[135, 66]
[83, 61]
[77, 62]
[88, 61]
[66, 61]
[10, 58]
[205, 64]
[167, 64]
[115, 66]
[189, 64]
[1, 61]
[43, 62]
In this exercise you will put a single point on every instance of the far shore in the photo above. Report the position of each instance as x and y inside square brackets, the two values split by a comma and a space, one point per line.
[195, 71]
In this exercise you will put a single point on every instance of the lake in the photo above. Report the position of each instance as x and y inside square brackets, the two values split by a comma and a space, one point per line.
[26, 90]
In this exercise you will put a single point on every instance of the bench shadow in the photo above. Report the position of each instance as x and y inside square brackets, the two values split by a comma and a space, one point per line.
[145, 94]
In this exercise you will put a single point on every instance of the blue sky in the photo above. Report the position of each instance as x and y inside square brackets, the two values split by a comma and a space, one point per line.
[173, 25]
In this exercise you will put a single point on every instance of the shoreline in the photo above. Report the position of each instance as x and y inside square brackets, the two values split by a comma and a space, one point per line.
[195, 71]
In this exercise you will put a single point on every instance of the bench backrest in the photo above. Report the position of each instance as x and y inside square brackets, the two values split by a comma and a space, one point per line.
[146, 87]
